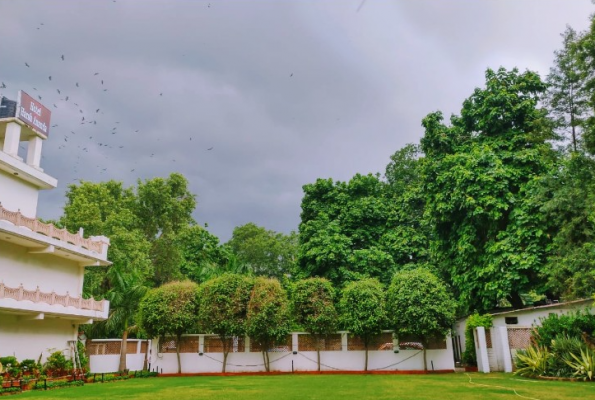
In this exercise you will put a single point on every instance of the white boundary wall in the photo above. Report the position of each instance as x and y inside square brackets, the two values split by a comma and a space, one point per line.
[283, 361]
[105, 363]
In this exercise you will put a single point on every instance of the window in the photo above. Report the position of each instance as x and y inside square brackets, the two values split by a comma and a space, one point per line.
[511, 320]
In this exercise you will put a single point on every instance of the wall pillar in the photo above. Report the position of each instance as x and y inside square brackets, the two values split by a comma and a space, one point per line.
[505, 348]
[12, 139]
[481, 349]
[34, 152]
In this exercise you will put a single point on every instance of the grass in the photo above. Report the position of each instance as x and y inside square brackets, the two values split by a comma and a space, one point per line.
[327, 387]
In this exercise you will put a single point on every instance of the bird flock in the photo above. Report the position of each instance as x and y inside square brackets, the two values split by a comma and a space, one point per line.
[93, 131]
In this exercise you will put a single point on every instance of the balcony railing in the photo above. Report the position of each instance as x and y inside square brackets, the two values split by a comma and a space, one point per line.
[37, 296]
[49, 230]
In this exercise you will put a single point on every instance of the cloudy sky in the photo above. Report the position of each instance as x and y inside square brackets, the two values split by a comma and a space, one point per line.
[282, 92]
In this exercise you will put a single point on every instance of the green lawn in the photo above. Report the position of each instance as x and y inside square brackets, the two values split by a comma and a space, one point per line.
[327, 387]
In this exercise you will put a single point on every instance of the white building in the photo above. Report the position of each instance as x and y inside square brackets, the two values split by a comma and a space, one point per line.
[41, 267]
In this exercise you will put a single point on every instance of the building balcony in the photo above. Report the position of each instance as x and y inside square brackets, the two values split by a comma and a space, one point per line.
[40, 237]
[37, 305]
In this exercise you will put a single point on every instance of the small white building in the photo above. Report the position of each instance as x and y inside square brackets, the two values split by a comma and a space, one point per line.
[41, 266]
[511, 331]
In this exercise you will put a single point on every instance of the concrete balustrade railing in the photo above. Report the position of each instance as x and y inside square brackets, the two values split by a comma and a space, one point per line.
[37, 296]
[49, 230]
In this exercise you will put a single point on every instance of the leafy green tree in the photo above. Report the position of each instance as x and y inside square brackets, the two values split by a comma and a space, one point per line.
[125, 293]
[203, 257]
[343, 232]
[479, 176]
[106, 208]
[171, 309]
[567, 98]
[420, 305]
[263, 252]
[267, 321]
[314, 309]
[363, 310]
[223, 308]
[567, 196]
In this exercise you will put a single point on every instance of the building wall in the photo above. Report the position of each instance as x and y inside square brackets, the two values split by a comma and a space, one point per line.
[527, 318]
[31, 338]
[15, 194]
[50, 273]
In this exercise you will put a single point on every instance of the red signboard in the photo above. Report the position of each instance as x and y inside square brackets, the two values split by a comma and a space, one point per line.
[33, 113]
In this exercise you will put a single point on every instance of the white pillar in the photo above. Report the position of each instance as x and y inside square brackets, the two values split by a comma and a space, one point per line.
[504, 345]
[294, 341]
[34, 151]
[201, 344]
[12, 139]
[481, 349]
[344, 341]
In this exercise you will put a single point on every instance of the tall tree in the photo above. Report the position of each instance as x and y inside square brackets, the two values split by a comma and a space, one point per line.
[203, 257]
[420, 305]
[125, 296]
[566, 96]
[223, 308]
[344, 230]
[267, 321]
[363, 310]
[171, 309]
[567, 196]
[479, 176]
[263, 252]
[313, 303]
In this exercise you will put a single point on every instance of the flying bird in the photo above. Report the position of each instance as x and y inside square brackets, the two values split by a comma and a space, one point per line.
[3, 86]
[27, 65]
[77, 84]
[58, 90]
[291, 75]
[50, 77]
[102, 81]
[96, 73]
[97, 110]
[62, 57]
[55, 106]
[39, 97]
[66, 98]
[210, 148]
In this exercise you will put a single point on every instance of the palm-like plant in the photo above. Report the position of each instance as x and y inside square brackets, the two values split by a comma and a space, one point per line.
[127, 290]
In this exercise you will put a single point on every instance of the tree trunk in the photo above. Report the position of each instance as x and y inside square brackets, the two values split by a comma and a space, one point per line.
[178, 339]
[123, 349]
[317, 350]
[225, 352]
[425, 345]
[265, 360]
[366, 364]
[146, 360]
[515, 300]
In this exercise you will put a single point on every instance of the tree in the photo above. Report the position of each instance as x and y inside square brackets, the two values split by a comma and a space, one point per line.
[263, 252]
[344, 230]
[479, 177]
[567, 196]
[223, 308]
[566, 96]
[314, 309]
[267, 321]
[420, 305]
[171, 309]
[363, 310]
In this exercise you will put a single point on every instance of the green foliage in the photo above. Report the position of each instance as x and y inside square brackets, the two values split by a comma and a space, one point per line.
[561, 348]
[171, 309]
[568, 198]
[532, 362]
[203, 257]
[419, 304]
[474, 321]
[349, 231]
[57, 365]
[363, 310]
[264, 253]
[267, 320]
[223, 307]
[83, 358]
[584, 366]
[572, 325]
[313, 304]
[479, 176]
